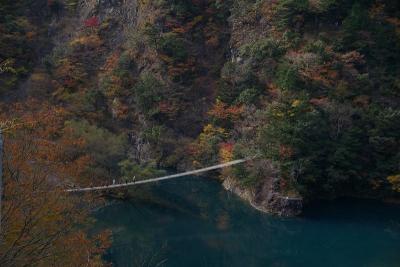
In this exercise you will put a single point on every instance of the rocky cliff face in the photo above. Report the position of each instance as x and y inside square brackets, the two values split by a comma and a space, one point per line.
[148, 75]
[266, 198]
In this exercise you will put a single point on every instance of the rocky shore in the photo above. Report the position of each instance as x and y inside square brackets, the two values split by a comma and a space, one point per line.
[265, 197]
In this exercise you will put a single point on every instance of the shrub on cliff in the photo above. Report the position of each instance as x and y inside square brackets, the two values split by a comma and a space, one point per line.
[148, 92]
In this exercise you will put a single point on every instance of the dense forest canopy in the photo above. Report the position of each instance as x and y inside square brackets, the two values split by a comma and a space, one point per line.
[310, 87]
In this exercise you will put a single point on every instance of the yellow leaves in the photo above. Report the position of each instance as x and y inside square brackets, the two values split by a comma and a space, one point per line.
[296, 103]
[211, 144]
[210, 129]
[166, 59]
[395, 181]
[90, 41]
[7, 66]
[6, 125]
[279, 114]
[196, 164]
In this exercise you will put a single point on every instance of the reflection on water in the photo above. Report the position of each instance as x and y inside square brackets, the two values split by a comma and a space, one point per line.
[194, 222]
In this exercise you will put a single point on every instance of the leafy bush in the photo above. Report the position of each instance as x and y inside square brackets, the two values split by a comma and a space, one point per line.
[148, 93]
[173, 46]
[249, 96]
[206, 147]
[358, 18]
[131, 170]
[105, 147]
[263, 48]
[71, 5]
[286, 11]
[287, 77]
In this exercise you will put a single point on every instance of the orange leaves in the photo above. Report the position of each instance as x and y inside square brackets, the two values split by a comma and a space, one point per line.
[30, 35]
[212, 41]
[119, 109]
[179, 30]
[70, 74]
[42, 132]
[206, 148]
[285, 151]
[168, 108]
[321, 102]
[362, 100]
[352, 58]
[92, 248]
[222, 111]
[40, 158]
[111, 62]
[325, 73]
[219, 110]
[91, 41]
[396, 23]
[377, 11]
[178, 69]
[226, 152]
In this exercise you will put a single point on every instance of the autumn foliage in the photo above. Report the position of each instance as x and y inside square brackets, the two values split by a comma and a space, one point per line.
[92, 22]
[42, 225]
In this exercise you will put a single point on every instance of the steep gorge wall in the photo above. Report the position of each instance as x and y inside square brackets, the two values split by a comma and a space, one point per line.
[183, 84]
[147, 70]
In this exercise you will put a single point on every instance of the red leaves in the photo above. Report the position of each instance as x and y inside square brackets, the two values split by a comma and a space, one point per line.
[228, 146]
[92, 22]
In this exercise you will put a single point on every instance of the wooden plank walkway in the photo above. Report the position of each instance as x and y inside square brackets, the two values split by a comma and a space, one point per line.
[162, 178]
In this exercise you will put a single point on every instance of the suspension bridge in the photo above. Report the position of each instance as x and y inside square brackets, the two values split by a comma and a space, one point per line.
[162, 178]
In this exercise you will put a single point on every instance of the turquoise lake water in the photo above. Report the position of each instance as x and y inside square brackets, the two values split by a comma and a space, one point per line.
[195, 222]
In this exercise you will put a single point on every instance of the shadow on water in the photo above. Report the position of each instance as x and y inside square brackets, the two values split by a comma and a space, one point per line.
[194, 222]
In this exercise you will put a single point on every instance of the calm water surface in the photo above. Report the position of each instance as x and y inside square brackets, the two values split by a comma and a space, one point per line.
[194, 222]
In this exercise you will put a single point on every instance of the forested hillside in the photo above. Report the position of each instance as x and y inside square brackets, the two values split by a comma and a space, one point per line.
[127, 88]
[323, 81]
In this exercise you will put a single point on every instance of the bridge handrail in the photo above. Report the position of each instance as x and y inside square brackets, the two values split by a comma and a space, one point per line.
[152, 180]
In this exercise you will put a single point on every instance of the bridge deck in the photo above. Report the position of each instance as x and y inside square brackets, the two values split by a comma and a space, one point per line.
[172, 176]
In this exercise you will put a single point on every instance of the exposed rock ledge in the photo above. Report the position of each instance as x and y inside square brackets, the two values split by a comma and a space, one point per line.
[266, 198]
